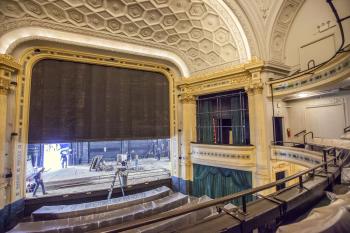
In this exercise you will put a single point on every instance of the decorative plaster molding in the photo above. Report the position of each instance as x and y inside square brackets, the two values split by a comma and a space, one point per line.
[8, 66]
[296, 155]
[284, 20]
[187, 99]
[9, 61]
[204, 34]
[336, 70]
[241, 14]
[28, 60]
[19, 35]
[236, 157]
[236, 77]
[254, 89]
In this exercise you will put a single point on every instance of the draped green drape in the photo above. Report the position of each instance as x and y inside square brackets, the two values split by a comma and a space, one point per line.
[218, 182]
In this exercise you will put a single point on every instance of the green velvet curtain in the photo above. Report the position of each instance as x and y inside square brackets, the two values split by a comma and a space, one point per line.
[218, 182]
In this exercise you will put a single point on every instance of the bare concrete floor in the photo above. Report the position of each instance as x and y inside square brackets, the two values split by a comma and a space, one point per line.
[75, 179]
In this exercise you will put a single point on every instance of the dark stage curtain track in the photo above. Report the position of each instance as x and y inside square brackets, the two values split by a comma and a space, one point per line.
[73, 101]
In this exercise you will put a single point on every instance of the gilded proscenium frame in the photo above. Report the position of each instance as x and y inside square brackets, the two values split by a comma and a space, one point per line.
[33, 55]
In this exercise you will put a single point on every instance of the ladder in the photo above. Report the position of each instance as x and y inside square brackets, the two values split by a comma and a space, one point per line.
[117, 173]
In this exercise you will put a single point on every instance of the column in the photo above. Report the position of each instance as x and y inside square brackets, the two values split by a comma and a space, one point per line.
[258, 130]
[8, 67]
[188, 135]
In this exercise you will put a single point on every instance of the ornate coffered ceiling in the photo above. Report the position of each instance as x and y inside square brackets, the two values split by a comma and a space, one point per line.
[202, 33]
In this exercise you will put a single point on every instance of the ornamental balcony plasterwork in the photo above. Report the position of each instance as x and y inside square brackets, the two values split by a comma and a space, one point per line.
[334, 71]
[233, 157]
[206, 34]
[300, 156]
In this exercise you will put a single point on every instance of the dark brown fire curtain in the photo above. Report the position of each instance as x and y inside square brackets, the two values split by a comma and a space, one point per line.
[73, 101]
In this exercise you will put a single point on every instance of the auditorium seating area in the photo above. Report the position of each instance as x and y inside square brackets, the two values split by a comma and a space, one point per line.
[191, 116]
[99, 215]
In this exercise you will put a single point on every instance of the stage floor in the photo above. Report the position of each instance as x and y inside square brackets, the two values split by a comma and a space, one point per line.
[74, 179]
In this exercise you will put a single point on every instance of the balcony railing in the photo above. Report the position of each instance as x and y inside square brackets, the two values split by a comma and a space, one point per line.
[242, 195]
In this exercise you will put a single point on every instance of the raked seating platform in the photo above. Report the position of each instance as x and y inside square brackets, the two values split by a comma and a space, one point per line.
[105, 219]
[82, 209]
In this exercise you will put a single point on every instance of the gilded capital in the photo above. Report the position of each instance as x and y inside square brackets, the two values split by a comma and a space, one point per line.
[5, 86]
[9, 62]
[8, 66]
[187, 98]
[254, 89]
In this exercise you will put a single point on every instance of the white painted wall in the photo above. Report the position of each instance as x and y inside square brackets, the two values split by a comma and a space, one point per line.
[325, 116]
[314, 33]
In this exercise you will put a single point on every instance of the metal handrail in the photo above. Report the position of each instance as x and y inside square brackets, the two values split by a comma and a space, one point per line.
[297, 134]
[347, 129]
[284, 143]
[310, 132]
[242, 194]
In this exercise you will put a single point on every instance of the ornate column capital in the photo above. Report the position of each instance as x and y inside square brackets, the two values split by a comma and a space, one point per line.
[9, 62]
[8, 66]
[187, 98]
[254, 89]
[5, 86]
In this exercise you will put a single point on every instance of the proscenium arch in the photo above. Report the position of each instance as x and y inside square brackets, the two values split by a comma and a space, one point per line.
[13, 38]
[35, 54]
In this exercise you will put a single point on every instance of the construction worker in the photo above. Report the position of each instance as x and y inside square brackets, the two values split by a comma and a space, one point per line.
[39, 181]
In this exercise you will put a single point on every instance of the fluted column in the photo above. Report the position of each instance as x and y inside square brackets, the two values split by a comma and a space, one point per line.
[8, 67]
[188, 135]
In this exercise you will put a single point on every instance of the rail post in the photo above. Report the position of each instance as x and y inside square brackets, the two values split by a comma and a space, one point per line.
[301, 186]
[325, 160]
[244, 204]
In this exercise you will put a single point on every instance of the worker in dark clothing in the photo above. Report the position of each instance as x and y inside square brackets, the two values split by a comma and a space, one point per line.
[39, 181]
[64, 159]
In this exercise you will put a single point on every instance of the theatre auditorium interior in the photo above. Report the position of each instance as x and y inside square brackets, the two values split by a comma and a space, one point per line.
[175, 116]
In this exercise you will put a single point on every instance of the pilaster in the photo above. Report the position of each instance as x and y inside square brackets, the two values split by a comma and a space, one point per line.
[188, 134]
[8, 68]
[258, 126]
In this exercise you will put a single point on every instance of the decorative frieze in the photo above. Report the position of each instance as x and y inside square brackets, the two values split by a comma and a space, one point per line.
[338, 69]
[223, 155]
[296, 155]
[236, 77]
[187, 99]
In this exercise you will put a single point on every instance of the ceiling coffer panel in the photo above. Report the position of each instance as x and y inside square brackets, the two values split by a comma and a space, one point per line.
[193, 29]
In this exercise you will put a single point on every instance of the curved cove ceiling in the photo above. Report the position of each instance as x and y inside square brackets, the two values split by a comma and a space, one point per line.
[203, 33]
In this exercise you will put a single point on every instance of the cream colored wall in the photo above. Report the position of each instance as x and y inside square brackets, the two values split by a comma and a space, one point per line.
[306, 41]
[295, 113]
[288, 168]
